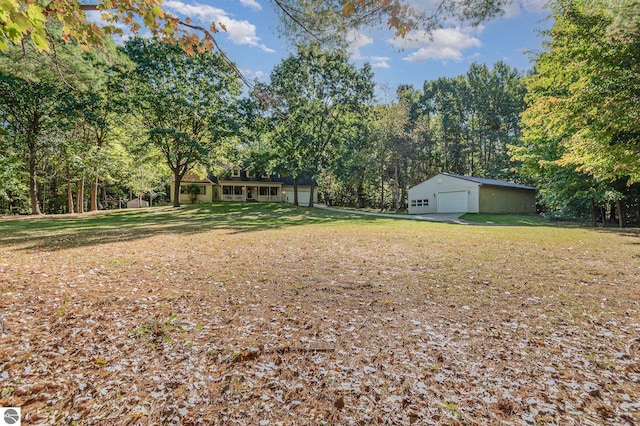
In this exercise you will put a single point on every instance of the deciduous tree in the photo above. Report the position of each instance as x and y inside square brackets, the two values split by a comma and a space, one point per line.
[319, 96]
[184, 102]
[584, 92]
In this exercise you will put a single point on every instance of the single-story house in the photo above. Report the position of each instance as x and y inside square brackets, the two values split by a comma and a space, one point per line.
[450, 193]
[243, 184]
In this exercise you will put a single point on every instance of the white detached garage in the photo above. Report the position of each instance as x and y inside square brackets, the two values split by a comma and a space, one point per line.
[449, 193]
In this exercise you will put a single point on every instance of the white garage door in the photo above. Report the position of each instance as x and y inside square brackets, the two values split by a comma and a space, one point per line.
[452, 202]
[303, 198]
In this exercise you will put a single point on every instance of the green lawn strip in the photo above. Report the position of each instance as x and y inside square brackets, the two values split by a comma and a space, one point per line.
[77, 230]
[508, 219]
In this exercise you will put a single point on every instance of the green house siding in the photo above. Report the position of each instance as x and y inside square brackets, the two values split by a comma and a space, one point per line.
[497, 199]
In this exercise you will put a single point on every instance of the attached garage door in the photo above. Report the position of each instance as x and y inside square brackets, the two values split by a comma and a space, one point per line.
[452, 202]
[303, 198]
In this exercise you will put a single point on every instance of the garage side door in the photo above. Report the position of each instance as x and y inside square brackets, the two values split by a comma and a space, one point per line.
[452, 202]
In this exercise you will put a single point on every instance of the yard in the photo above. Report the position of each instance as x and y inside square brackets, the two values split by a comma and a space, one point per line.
[266, 314]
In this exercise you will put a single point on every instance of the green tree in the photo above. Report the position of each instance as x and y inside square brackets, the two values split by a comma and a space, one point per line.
[392, 128]
[577, 127]
[12, 181]
[25, 18]
[495, 102]
[319, 99]
[184, 102]
[47, 100]
[31, 110]
[585, 86]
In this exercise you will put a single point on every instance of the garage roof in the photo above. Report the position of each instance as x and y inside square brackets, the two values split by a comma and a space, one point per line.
[494, 182]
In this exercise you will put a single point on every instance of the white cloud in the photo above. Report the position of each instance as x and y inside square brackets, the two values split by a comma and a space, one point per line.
[253, 4]
[444, 43]
[511, 10]
[239, 32]
[514, 9]
[413, 40]
[355, 41]
[252, 75]
[379, 62]
[536, 6]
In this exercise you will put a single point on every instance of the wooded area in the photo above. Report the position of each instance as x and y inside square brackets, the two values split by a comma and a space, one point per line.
[90, 128]
[268, 313]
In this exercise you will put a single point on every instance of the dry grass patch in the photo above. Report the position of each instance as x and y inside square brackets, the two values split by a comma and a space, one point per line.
[240, 314]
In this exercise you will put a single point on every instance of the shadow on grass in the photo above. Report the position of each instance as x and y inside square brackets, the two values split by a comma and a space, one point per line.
[514, 220]
[51, 233]
[623, 232]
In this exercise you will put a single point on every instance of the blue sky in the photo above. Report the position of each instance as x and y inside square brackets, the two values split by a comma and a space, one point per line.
[252, 41]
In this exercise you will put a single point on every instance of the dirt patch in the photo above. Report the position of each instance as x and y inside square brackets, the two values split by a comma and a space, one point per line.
[381, 323]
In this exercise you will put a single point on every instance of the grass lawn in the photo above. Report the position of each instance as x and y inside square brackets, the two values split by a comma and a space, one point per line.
[509, 219]
[265, 314]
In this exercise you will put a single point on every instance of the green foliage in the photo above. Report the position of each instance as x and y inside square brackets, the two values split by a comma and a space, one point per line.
[13, 187]
[20, 21]
[583, 89]
[185, 102]
[319, 100]
[193, 190]
[579, 140]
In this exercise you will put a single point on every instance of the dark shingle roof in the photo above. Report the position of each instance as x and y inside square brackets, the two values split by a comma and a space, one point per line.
[494, 182]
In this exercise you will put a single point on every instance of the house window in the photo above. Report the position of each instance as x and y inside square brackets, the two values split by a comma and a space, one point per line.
[235, 172]
[274, 190]
[264, 190]
[184, 189]
[419, 203]
[227, 190]
[251, 172]
[237, 190]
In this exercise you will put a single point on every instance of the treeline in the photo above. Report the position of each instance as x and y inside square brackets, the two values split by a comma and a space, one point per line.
[461, 125]
[86, 129]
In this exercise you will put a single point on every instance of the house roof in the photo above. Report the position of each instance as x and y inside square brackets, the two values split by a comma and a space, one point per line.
[243, 178]
[194, 178]
[493, 182]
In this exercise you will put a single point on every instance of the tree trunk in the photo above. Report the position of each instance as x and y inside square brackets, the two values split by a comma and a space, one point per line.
[94, 195]
[360, 192]
[33, 185]
[396, 188]
[311, 193]
[80, 195]
[620, 211]
[43, 197]
[177, 178]
[295, 191]
[69, 192]
[594, 215]
[382, 186]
